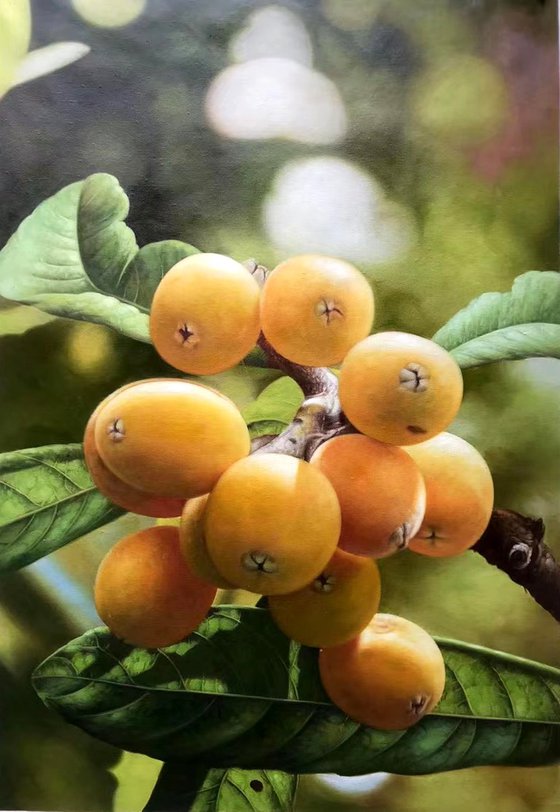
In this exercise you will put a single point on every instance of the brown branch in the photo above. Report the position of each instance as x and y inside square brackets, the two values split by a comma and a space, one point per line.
[311, 380]
[319, 417]
[514, 543]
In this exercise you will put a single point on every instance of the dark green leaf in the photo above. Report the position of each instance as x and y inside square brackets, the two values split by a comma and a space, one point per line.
[144, 273]
[256, 358]
[238, 693]
[278, 403]
[47, 500]
[199, 789]
[523, 323]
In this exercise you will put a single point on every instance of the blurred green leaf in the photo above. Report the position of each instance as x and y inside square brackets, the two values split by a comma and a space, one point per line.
[145, 271]
[15, 34]
[18, 319]
[256, 358]
[278, 403]
[523, 323]
[74, 256]
[238, 693]
[48, 59]
[202, 790]
[47, 500]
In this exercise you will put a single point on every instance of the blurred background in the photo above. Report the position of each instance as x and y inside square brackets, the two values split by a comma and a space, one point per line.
[417, 139]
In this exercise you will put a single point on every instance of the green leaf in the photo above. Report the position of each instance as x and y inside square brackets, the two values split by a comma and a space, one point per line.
[256, 358]
[265, 428]
[18, 319]
[146, 270]
[238, 693]
[75, 257]
[200, 789]
[523, 323]
[47, 499]
[243, 384]
[277, 403]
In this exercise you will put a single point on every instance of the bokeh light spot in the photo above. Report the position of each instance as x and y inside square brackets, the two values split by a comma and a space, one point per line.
[352, 15]
[276, 98]
[109, 13]
[329, 205]
[462, 99]
[90, 350]
[273, 31]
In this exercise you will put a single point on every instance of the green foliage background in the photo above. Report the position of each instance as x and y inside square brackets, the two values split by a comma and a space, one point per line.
[134, 107]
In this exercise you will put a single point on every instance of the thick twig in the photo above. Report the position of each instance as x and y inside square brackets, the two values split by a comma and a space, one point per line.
[514, 543]
[318, 418]
[313, 381]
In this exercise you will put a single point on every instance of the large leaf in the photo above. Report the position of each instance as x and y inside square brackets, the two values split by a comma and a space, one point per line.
[199, 789]
[74, 256]
[523, 323]
[47, 499]
[238, 693]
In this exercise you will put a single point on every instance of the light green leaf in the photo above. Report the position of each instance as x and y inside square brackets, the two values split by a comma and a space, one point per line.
[74, 256]
[18, 319]
[238, 693]
[47, 499]
[277, 403]
[241, 383]
[70, 251]
[15, 34]
[199, 789]
[265, 428]
[523, 323]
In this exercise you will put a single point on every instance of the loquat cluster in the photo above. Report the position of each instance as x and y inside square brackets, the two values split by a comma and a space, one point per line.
[307, 534]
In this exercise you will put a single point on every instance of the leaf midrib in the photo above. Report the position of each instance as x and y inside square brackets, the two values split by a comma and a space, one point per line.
[509, 327]
[442, 340]
[51, 506]
[270, 699]
[447, 642]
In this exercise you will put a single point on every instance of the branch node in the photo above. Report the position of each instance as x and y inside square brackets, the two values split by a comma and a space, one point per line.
[520, 556]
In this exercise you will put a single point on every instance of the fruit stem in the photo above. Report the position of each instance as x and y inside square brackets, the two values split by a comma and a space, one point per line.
[319, 417]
